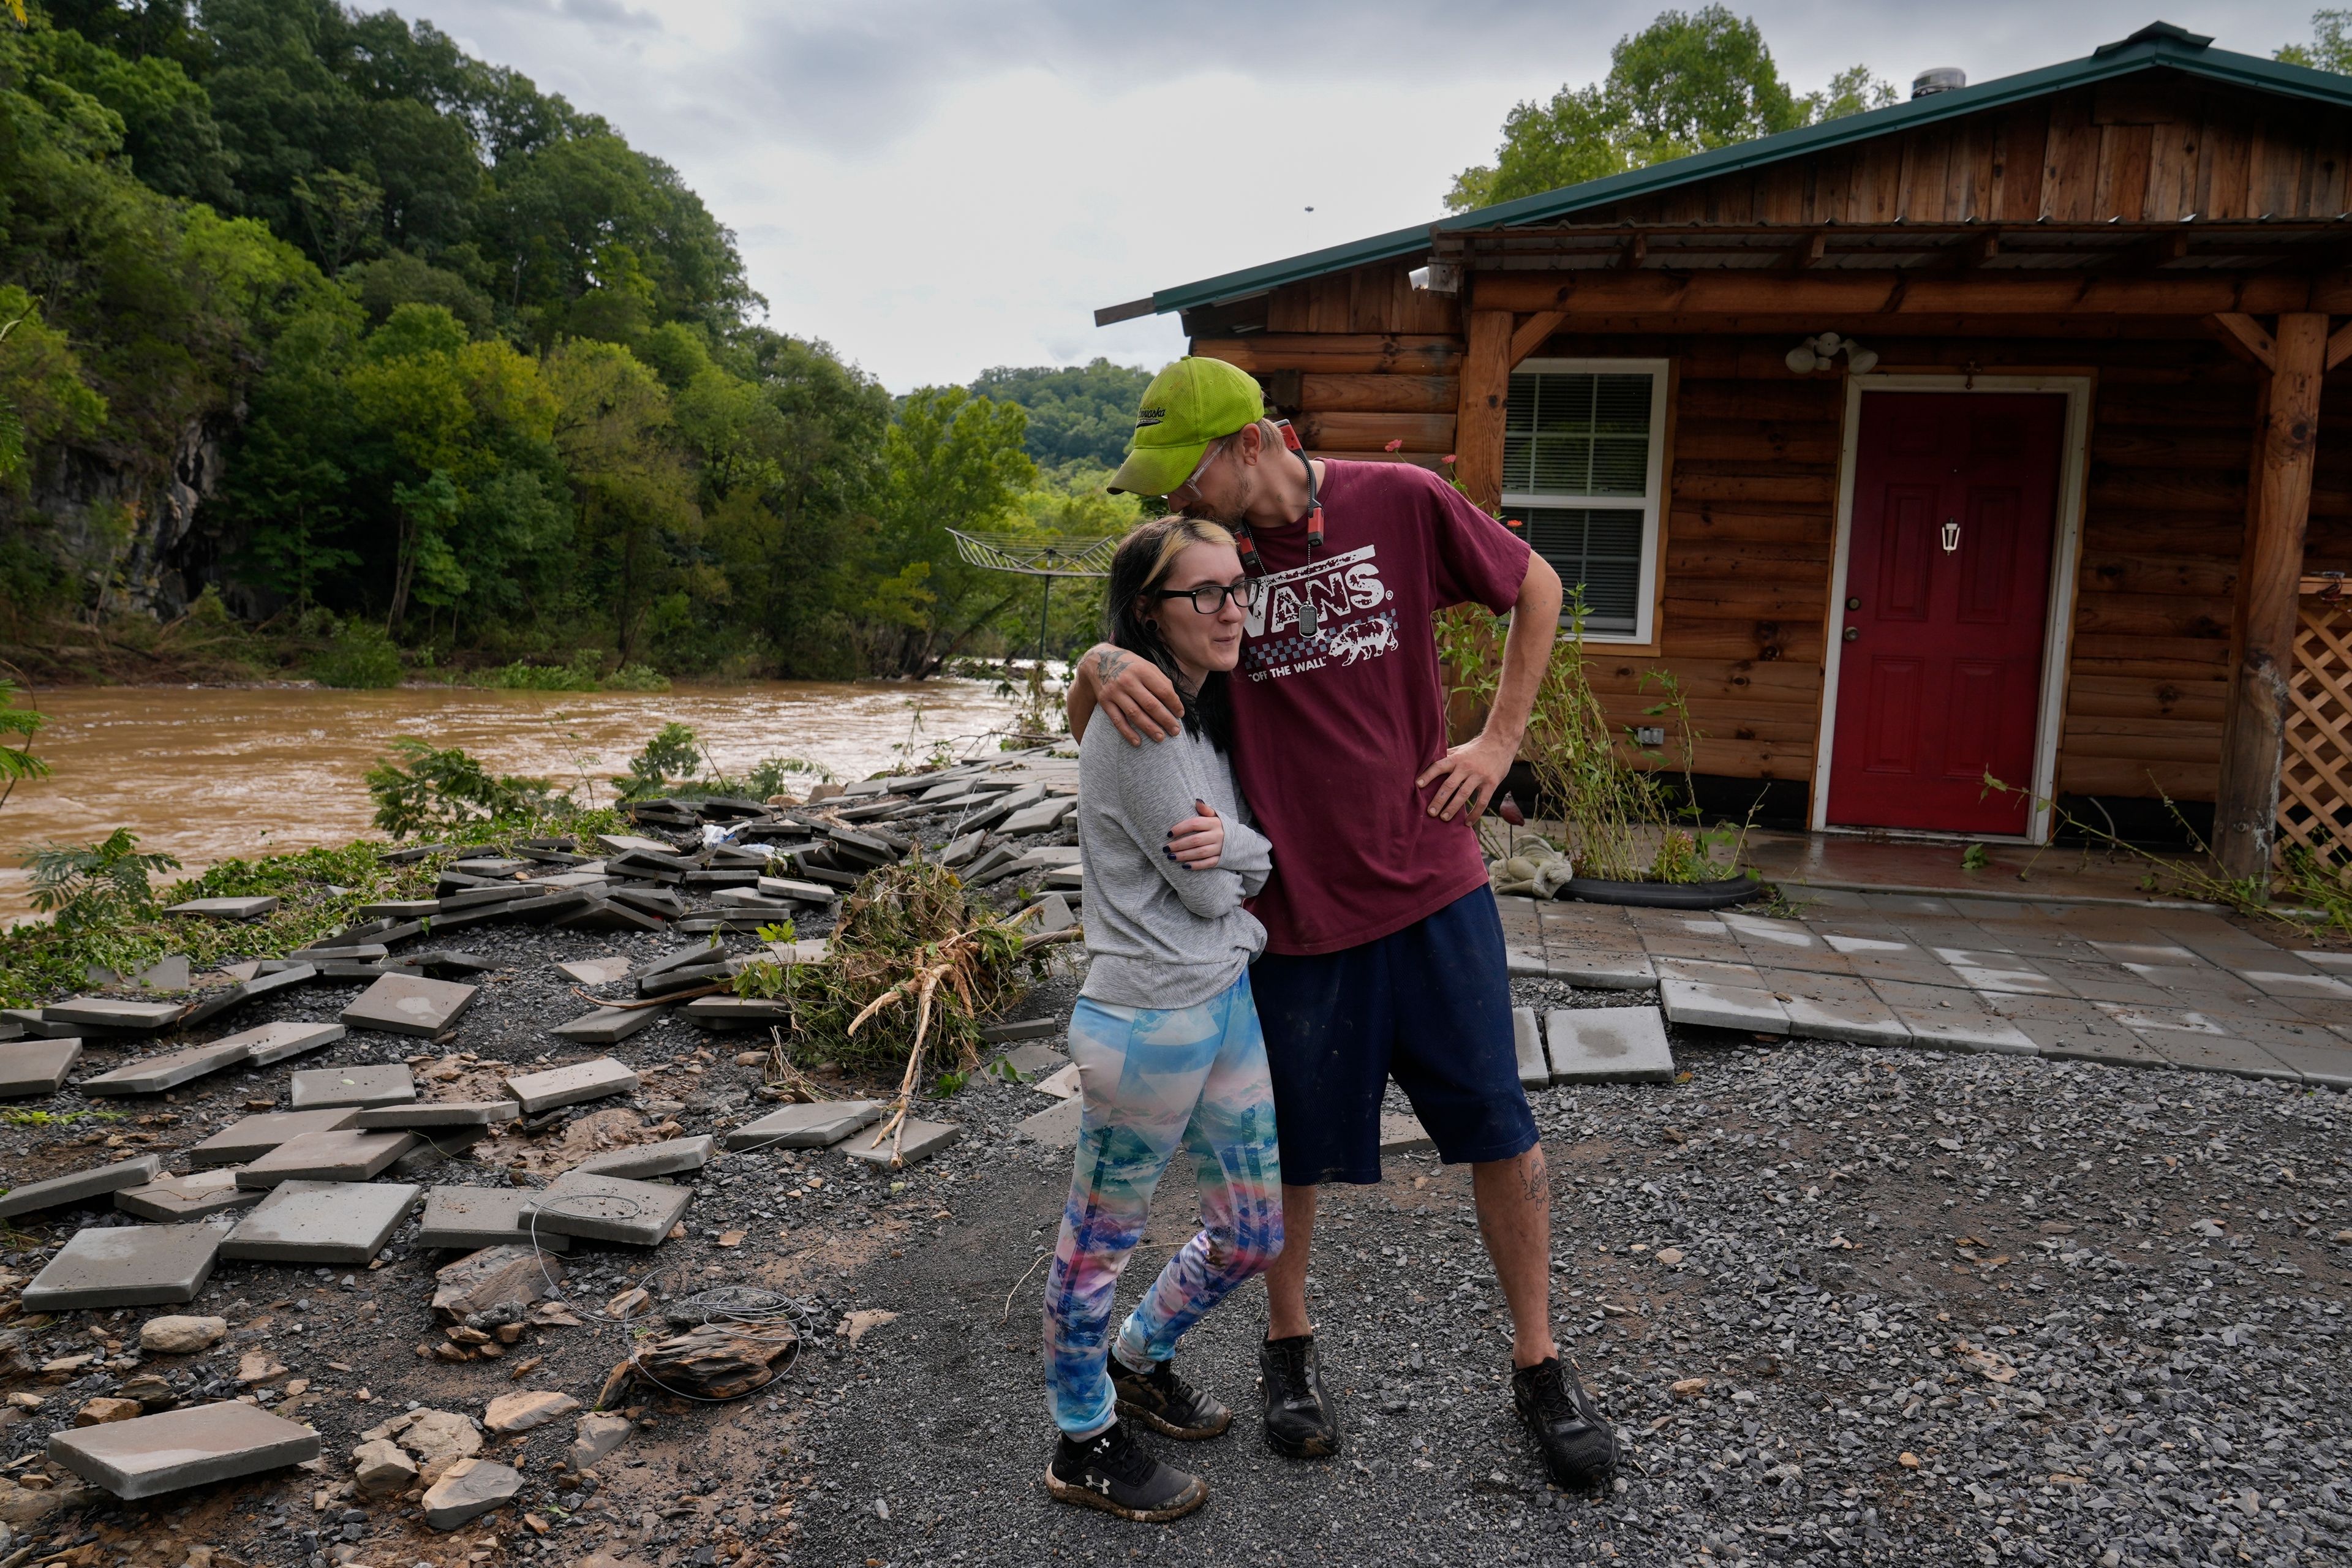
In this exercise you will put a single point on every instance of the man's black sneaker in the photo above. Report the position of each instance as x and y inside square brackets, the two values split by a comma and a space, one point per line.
[1580, 1446]
[1113, 1472]
[1166, 1403]
[1298, 1417]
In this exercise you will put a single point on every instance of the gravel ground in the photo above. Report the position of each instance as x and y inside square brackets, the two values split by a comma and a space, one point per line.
[1948, 1308]
[2097, 1307]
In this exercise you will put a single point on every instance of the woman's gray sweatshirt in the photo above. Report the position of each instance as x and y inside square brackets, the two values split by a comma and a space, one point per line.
[1162, 935]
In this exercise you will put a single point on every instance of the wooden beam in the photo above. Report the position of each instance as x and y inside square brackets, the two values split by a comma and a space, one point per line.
[2025, 292]
[1478, 418]
[1530, 333]
[1636, 248]
[1809, 251]
[2249, 332]
[2245, 809]
[2339, 346]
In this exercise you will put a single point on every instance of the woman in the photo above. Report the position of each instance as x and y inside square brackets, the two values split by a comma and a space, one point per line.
[1165, 1035]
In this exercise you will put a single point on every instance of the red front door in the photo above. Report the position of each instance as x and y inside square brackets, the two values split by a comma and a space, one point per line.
[1948, 589]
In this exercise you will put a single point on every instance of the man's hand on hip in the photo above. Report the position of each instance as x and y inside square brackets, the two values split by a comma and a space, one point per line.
[1472, 771]
[1137, 697]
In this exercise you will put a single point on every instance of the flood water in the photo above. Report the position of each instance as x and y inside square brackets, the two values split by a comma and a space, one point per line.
[207, 773]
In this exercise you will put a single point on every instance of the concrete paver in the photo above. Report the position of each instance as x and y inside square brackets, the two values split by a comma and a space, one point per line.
[35, 1066]
[573, 1085]
[250, 1137]
[607, 1209]
[1526, 1043]
[381, 1083]
[409, 1005]
[320, 1222]
[482, 1217]
[126, 1265]
[1608, 1044]
[179, 1199]
[345, 1154]
[818, 1126]
[922, 1139]
[79, 1186]
[153, 1075]
[194, 1446]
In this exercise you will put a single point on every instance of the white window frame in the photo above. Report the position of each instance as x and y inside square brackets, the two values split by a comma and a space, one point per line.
[1654, 502]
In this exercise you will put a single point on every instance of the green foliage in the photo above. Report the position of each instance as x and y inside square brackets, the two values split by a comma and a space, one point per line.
[14, 1117]
[635, 678]
[17, 762]
[672, 753]
[1085, 414]
[359, 657]
[1975, 857]
[2330, 48]
[421, 789]
[776, 776]
[1687, 82]
[91, 885]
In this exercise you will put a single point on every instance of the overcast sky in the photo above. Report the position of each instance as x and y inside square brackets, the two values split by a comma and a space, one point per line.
[937, 186]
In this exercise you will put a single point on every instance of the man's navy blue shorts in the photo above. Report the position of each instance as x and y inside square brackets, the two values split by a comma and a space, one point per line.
[1429, 1006]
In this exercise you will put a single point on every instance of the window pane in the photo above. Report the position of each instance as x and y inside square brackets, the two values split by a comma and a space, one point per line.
[1596, 549]
[1578, 432]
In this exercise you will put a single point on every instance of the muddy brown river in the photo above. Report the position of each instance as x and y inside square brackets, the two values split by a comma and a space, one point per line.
[207, 773]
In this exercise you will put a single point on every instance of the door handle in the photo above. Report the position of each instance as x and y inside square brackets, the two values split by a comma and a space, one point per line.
[1853, 634]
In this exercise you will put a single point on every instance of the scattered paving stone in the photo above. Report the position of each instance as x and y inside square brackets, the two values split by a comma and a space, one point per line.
[643, 1159]
[252, 1136]
[126, 1265]
[1526, 1043]
[817, 1126]
[608, 1209]
[609, 1026]
[79, 1185]
[191, 1446]
[468, 1489]
[1402, 1133]
[320, 1222]
[521, 1412]
[274, 1043]
[573, 1085]
[1056, 1126]
[116, 1013]
[1063, 1084]
[1609, 1045]
[1716, 1007]
[410, 1005]
[1027, 1063]
[492, 1277]
[225, 908]
[923, 1139]
[345, 1154]
[1053, 913]
[437, 1114]
[481, 1217]
[176, 1335]
[383, 1083]
[598, 971]
[153, 1075]
[595, 1437]
[1020, 1030]
[35, 1066]
[180, 1199]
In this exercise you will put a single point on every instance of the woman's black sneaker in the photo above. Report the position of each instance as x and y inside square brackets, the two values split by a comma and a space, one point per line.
[1298, 1418]
[1113, 1472]
[1580, 1446]
[1166, 1403]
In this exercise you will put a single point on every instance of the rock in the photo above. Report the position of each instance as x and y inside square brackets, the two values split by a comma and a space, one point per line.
[858, 1324]
[439, 1435]
[713, 1362]
[629, 1302]
[521, 1412]
[382, 1469]
[1671, 1256]
[594, 1437]
[1688, 1388]
[98, 1412]
[179, 1335]
[467, 1490]
[1907, 1459]
[258, 1366]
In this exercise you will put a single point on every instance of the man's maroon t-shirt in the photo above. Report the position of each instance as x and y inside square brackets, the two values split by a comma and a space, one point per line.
[1331, 729]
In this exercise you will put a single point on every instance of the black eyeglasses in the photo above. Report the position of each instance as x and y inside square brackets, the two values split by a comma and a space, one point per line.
[1210, 599]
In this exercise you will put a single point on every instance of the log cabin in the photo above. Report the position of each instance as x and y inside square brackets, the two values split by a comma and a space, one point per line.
[1976, 434]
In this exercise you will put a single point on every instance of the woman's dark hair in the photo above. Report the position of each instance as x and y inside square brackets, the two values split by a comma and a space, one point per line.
[1141, 565]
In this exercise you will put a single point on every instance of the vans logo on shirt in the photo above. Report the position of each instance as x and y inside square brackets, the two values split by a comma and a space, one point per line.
[1341, 590]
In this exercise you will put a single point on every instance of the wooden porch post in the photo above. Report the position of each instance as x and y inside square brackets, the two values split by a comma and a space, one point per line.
[2246, 810]
[1478, 416]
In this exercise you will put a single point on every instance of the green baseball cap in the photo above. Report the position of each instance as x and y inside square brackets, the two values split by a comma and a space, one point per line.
[1189, 404]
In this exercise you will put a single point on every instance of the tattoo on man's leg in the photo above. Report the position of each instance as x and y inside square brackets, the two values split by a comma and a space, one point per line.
[1534, 1181]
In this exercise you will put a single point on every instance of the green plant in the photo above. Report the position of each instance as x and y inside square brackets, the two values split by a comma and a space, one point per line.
[96, 884]
[635, 678]
[522, 676]
[948, 1083]
[17, 762]
[778, 930]
[1975, 857]
[422, 789]
[56, 1118]
[768, 775]
[359, 657]
[672, 753]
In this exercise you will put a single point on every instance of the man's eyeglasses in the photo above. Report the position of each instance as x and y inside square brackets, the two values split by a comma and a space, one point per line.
[1210, 599]
[1183, 495]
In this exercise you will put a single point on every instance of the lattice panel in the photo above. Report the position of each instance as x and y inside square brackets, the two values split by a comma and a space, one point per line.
[2316, 771]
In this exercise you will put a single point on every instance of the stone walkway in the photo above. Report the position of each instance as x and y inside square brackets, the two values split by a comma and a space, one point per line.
[2133, 986]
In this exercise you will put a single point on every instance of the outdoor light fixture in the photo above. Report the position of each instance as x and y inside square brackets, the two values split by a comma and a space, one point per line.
[1815, 354]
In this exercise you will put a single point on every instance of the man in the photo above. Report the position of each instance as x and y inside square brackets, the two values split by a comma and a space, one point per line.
[1384, 953]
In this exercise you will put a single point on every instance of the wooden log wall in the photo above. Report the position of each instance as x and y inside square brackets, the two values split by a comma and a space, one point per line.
[1751, 511]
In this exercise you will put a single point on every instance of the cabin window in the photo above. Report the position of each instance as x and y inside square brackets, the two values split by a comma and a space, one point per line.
[1583, 453]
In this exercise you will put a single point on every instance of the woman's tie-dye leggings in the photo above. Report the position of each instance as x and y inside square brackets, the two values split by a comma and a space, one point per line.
[1152, 1080]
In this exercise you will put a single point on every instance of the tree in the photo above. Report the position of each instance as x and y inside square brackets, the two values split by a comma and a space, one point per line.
[1084, 412]
[1687, 82]
[635, 493]
[951, 461]
[2330, 48]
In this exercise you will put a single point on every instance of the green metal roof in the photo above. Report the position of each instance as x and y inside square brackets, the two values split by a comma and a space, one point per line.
[2160, 46]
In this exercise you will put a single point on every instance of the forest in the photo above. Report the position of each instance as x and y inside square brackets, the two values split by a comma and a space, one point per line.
[326, 344]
